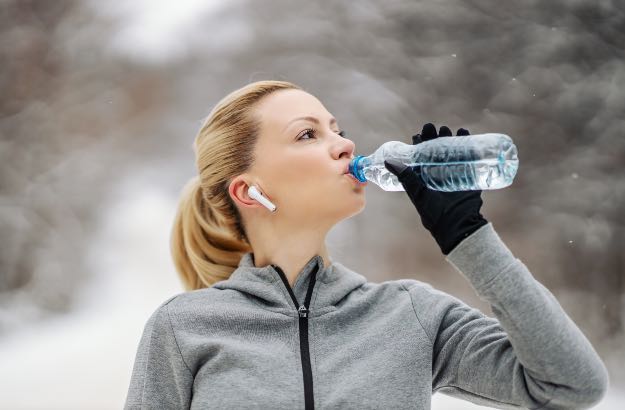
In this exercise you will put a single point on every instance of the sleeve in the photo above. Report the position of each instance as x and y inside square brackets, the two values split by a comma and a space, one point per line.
[532, 356]
[160, 377]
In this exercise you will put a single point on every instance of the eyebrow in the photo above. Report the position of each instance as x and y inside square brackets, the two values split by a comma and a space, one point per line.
[309, 118]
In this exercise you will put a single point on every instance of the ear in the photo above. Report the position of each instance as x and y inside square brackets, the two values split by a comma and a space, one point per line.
[238, 192]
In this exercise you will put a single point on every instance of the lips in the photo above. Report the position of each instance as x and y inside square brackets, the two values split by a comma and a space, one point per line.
[350, 176]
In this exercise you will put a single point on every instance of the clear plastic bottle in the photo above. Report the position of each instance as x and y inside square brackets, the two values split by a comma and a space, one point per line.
[460, 163]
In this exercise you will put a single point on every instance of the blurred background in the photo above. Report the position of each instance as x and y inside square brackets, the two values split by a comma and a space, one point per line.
[101, 102]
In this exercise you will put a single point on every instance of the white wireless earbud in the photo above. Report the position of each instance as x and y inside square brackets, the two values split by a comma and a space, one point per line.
[254, 193]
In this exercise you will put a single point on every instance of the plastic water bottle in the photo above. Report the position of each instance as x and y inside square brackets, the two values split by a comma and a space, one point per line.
[460, 163]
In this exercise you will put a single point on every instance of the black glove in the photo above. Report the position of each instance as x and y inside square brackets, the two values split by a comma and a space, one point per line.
[449, 216]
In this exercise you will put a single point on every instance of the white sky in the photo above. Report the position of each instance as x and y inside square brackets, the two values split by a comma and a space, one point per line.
[154, 30]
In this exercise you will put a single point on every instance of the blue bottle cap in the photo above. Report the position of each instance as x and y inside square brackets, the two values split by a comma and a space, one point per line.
[355, 168]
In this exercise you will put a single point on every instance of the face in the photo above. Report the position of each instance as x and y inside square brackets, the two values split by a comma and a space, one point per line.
[300, 164]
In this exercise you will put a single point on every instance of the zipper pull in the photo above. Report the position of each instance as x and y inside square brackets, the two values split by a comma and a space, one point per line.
[303, 312]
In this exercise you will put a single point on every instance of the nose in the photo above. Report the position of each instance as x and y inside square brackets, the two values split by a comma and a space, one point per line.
[345, 147]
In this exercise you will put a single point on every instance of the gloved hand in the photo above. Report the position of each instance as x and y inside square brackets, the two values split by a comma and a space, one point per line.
[449, 216]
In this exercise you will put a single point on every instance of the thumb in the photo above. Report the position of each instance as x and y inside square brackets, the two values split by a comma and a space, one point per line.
[410, 179]
[395, 166]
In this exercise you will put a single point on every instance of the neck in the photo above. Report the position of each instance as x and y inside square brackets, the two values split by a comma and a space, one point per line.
[289, 249]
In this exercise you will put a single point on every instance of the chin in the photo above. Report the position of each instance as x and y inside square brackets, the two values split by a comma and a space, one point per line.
[356, 208]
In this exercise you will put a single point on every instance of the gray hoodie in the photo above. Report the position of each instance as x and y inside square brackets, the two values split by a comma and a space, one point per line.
[337, 341]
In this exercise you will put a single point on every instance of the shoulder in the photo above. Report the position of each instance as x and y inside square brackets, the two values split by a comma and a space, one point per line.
[428, 304]
[412, 286]
[419, 292]
[424, 291]
[185, 305]
[425, 299]
[395, 285]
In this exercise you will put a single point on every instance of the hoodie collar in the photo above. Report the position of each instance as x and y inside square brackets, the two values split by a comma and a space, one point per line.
[332, 284]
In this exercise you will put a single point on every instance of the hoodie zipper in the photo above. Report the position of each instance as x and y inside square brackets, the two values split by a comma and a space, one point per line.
[303, 311]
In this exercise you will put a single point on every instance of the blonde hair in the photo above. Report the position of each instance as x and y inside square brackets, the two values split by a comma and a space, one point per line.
[208, 237]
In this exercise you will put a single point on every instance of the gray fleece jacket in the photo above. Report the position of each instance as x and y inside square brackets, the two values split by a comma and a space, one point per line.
[337, 341]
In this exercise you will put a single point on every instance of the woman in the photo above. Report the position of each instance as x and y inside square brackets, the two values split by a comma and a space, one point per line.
[270, 321]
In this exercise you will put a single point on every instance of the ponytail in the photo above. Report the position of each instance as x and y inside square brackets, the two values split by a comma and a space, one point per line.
[203, 251]
[208, 237]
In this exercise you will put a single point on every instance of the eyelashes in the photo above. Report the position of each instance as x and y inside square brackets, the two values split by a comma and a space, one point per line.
[312, 132]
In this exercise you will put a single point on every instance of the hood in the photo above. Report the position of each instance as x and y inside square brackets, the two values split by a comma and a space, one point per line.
[332, 283]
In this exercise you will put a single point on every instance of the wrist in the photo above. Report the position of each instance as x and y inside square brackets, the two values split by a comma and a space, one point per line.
[449, 235]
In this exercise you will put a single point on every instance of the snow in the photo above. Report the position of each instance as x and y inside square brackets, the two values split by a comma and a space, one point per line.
[84, 360]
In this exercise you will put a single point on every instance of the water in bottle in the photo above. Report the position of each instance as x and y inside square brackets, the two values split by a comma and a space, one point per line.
[460, 163]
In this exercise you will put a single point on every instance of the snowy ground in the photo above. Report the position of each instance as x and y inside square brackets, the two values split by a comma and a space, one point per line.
[84, 361]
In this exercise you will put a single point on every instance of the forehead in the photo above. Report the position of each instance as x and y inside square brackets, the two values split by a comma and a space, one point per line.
[279, 108]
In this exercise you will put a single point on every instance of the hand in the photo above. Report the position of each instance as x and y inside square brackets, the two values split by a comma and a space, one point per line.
[449, 216]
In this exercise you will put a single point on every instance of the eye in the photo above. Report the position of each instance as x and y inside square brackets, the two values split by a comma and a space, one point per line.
[308, 131]
[311, 132]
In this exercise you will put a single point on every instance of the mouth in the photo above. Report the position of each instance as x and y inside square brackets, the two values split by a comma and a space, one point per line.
[350, 176]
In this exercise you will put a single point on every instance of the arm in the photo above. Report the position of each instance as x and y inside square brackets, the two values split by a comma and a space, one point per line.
[531, 356]
[160, 377]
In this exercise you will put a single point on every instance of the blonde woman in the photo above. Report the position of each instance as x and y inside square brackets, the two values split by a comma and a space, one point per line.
[270, 321]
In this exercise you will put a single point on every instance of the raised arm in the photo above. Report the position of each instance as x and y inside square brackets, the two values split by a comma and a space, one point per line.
[532, 356]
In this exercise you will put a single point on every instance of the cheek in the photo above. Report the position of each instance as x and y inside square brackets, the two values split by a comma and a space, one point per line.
[302, 170]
